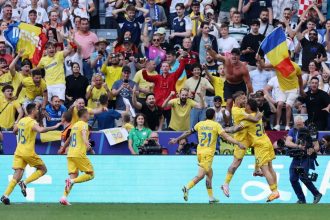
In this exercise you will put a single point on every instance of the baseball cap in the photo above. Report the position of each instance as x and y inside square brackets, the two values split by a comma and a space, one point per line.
[160, 30]
[126, 69]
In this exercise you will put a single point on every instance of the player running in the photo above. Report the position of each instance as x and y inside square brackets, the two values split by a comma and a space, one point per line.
[26, 129]
[263, 148]
[208, 133]
[239, 114]
[77, 155]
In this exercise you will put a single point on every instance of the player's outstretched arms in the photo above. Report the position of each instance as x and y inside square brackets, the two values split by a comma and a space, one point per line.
[227, 137]
[234, 129]
[182, 136]
[40, 129]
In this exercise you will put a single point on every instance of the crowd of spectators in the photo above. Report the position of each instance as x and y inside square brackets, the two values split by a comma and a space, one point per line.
[171, 61]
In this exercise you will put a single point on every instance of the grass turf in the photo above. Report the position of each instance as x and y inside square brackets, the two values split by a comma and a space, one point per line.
[82, 211]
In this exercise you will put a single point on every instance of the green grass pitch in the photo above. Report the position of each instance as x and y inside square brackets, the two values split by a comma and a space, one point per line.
[82, 211]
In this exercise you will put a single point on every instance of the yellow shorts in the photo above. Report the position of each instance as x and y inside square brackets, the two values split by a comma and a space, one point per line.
[20, 162]
[264, 154]
[240, 153]
[205, 161]
[76, 164]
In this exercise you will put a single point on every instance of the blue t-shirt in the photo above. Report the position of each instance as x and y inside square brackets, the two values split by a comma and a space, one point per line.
[124, 93]
[54, 115]
[107, 119]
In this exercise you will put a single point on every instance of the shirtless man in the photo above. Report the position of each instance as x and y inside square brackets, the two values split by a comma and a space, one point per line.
[236, 74]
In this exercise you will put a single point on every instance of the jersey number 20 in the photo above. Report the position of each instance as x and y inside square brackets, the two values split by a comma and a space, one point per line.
[260, 130]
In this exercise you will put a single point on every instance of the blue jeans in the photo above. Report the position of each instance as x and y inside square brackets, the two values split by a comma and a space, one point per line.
[88, 71]
[307, 164]
[197, 115]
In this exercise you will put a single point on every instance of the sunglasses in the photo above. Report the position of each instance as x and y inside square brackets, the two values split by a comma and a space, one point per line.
[313, 34]
[156, 40]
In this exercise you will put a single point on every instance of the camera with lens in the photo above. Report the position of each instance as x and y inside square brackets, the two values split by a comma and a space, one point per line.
[306, 136]
[304, 175]
[150, 148]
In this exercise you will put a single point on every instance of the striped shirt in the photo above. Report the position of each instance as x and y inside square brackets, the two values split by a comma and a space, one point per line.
[238, 32]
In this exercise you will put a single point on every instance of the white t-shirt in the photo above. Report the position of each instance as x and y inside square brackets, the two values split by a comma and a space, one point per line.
[16, 14]
[78, 12]
[219, 117]
[109, 9]
[42, 16]
[259, 79]
[226, 45]
[70, 59]
[273, 82]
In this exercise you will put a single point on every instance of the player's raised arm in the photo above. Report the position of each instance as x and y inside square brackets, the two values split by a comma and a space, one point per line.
[234, 129]
[228, 138]
[255, 118]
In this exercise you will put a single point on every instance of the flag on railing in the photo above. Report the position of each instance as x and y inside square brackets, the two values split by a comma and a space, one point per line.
[28, 37]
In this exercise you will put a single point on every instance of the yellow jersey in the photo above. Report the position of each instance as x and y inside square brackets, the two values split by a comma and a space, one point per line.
[75, 117]
[208, 133]
[17, 80]
[112, 74]
[289, 82]
[256, 133]
[26, 137]
[77, 147]
[54, 68]
[218, 84]
[238, 115]
[31, 90]
[8, 111]
[180, 115]
[94, 100]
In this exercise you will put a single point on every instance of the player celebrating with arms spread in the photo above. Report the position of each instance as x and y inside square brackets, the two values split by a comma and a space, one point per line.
[263, 147]
[77, 158]
[27, 129]
[208, 133]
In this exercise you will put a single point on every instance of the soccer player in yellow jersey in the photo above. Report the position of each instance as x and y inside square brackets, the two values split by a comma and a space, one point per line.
[26, 129]
[239, 114]
[263, 147]
[77, 155]
[208, 133]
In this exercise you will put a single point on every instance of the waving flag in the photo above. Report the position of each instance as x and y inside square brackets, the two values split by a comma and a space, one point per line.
[28, 37]
[276, 50]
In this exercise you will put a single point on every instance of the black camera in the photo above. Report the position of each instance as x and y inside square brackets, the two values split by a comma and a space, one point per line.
[304, 175]
[306, 136]
[150, 148]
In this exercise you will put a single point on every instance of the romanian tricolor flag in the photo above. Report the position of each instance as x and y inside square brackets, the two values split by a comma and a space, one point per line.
[28, 37]
[276, 49]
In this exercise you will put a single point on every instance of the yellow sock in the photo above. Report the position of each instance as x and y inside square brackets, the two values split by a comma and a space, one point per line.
[190, 185]
[34, 176]
[273, 187]
[228, 178]
[210, 193]
[83, 178]
[10, 187]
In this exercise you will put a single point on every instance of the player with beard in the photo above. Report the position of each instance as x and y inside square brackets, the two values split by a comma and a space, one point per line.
[154, 115]
[236, 74]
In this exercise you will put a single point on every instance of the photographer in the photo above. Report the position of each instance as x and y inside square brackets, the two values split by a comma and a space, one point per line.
[303, 151]
[151, 145]
[185, 148]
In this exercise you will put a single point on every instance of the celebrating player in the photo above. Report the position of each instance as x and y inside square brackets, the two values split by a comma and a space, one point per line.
[263, 148]
[239, 114]
[27, 129]
[208, 133]
[77, 158]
